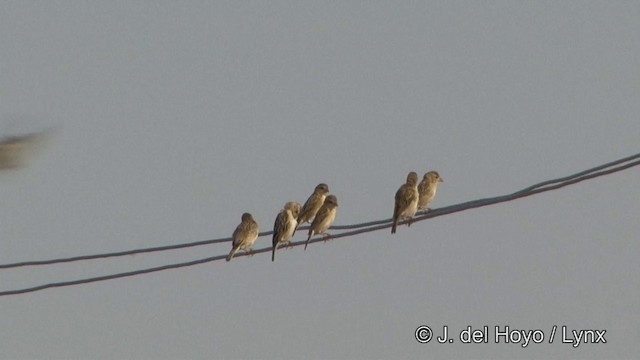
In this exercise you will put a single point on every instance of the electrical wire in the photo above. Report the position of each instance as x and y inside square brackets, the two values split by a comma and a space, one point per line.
[529, 190]
[356, 228]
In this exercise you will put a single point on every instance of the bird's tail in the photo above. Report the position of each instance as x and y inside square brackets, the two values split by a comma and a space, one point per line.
[309, 238]
[273, 252]
[232, 253]
[395, 219]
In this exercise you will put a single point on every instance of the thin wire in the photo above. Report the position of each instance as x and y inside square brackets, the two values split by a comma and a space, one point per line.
[384, 224]
[594, 169]
[529, 190]
[127, 252]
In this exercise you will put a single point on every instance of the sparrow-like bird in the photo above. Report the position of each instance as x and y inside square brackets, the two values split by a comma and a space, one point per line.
[406, 200]
[313, 204]
[427, 189]
[324, 218]
[285, 225]
[244, 236]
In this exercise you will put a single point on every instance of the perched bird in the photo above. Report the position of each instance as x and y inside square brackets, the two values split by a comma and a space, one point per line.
[427, 189]
[244, 236]
[406, 200]
[285, 225]
[324, 218]
[313, 204]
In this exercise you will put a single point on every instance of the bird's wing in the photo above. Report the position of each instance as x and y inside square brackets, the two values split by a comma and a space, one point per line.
[237, 235]
[279, 227]
[306, 208]
[402, 200]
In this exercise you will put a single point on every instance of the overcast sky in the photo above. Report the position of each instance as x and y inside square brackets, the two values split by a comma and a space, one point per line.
[171, 119]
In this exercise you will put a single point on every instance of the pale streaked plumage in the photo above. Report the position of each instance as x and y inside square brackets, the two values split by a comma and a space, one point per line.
[244, 236]
[324, 218]
[427, 189]
[313, 204]
[284, 226]
[406, 203]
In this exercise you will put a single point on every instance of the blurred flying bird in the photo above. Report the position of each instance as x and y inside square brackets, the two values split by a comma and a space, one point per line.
[14, 149]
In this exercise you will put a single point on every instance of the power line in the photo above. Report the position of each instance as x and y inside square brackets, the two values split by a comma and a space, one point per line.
[359, 228]
[529, 190]
[585, 172]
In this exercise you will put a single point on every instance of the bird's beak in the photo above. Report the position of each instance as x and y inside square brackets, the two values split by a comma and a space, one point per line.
[440, 180]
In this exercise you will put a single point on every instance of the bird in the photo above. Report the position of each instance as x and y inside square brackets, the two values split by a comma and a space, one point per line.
[427, 189]
[324, 218]
[13, 149]
[284, 226]
[244, 235]
[406, 203]
[313, 204]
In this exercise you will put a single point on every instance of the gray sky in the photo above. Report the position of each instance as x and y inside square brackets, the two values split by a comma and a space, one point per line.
[174, 118]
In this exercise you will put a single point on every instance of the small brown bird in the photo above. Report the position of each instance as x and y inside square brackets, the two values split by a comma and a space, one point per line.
[427, 189]
[324, 218]
[313, 204]
[284, 226]
[406, 203]
[244, 236]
